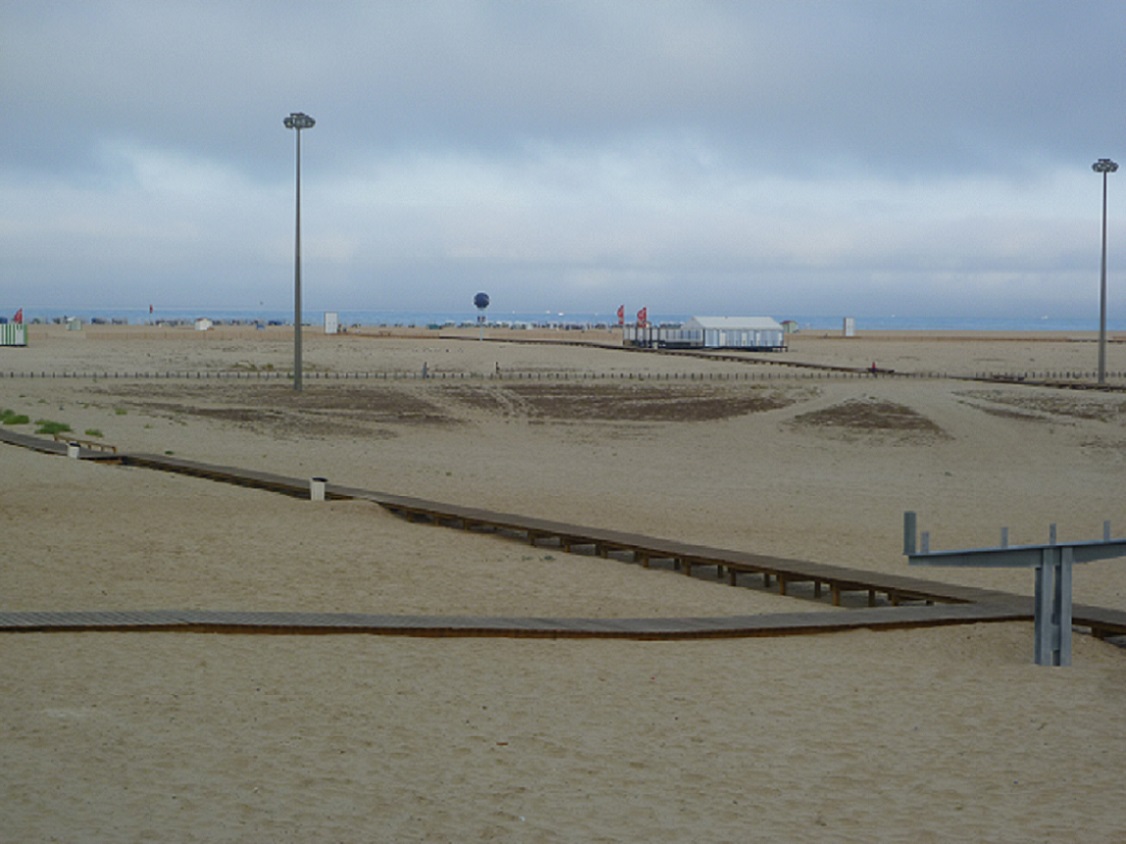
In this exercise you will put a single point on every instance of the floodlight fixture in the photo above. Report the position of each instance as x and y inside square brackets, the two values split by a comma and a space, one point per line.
[299, 120]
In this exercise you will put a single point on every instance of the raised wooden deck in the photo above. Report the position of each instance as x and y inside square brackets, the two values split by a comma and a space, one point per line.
[913, 602]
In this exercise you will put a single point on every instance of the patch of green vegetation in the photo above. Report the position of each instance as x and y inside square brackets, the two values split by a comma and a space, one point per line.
[120, 411]
[48, 426]
[10, 417]
[94, 432]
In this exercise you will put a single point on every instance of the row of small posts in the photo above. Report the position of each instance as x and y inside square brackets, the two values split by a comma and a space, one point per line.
[512, 375]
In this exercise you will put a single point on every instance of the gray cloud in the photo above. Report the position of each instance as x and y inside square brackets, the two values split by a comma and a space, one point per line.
[746, 156]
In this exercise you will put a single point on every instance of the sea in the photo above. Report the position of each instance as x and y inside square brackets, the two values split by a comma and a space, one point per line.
[550, 319]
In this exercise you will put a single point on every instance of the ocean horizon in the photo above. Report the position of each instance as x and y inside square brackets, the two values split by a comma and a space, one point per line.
[577, 319]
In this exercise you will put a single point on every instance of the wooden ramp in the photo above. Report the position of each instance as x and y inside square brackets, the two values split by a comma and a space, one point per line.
[913, 602]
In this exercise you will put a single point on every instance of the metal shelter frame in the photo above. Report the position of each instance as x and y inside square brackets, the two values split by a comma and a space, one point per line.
[1053, 563]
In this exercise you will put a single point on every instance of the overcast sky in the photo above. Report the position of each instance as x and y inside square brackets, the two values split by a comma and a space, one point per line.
[783, 158]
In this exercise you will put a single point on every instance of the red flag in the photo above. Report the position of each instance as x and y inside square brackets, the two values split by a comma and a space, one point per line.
[643, 317]
[621, 314]
[18, 318]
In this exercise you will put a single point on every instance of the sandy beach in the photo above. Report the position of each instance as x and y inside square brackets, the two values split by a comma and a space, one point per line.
[938, 734]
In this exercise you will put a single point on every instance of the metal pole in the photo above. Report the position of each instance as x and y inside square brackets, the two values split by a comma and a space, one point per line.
[1061, 606]
[1042, 613]
[297, 121]
[1102, 296]
[297, 278]
[1104, 166]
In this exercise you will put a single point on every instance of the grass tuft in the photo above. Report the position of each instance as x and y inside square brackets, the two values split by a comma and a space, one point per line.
[48, 426]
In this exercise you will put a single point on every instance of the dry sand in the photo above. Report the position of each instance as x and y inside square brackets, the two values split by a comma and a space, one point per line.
[929, 735]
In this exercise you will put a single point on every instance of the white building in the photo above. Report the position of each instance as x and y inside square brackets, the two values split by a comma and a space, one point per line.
[703, 332]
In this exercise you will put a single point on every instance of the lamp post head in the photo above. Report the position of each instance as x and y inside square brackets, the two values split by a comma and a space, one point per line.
[1104, 165]
[299, 120]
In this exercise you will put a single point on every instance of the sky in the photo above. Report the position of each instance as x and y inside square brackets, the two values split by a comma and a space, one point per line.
[869, 157]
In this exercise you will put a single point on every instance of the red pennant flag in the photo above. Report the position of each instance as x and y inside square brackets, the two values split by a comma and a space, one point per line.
[643, 317]
[621, 314]
[18, 318]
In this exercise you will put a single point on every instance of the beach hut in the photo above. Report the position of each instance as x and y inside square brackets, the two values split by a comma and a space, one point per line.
[13, 334]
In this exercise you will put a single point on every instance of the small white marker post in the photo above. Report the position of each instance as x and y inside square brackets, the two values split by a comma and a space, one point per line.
[1053, 564]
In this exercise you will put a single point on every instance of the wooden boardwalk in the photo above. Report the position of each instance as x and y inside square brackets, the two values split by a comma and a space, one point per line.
[706, 627]
[912, 602]
[784, 572]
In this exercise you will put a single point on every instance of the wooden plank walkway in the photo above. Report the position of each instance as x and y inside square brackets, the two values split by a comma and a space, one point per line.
[569, 537]
[648, 629]
[88, 450]
[33, 443]
[685, 556]
[914, 601]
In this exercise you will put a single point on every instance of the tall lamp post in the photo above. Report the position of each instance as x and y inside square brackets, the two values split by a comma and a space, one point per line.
[1104, 166]
[298, 121]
